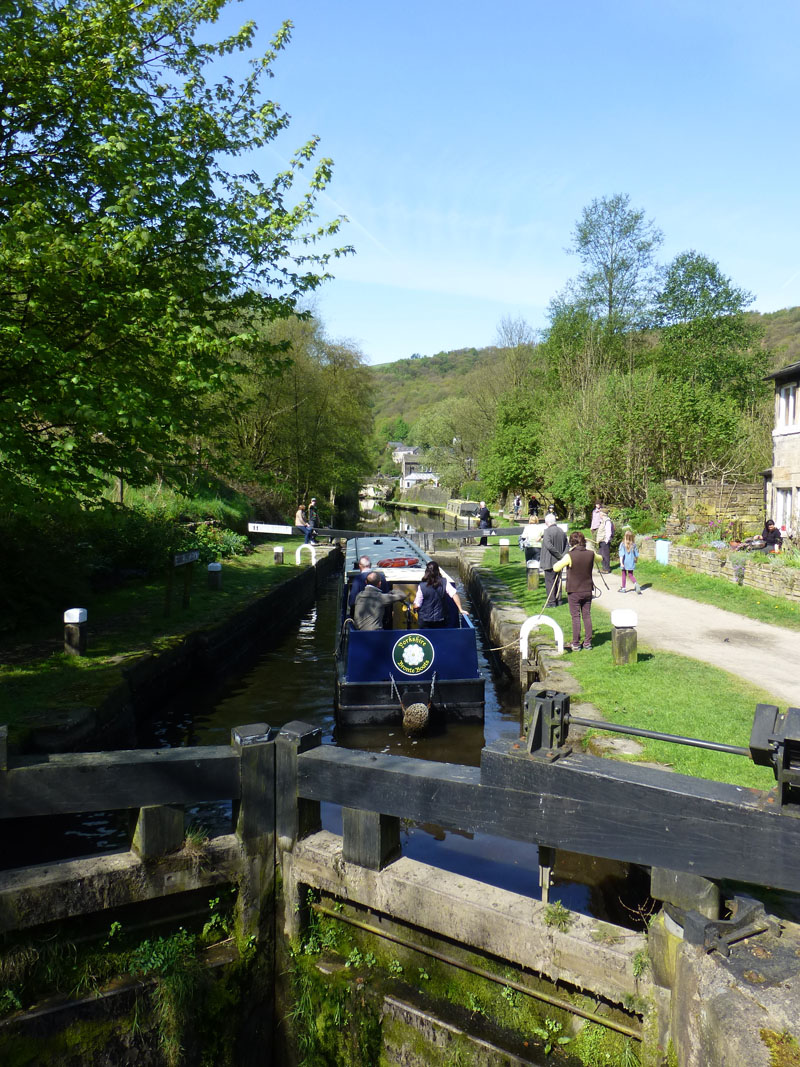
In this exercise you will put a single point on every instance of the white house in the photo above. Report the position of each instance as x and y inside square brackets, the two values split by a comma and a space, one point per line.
[402, 452]
[408, 481]
[782, 482]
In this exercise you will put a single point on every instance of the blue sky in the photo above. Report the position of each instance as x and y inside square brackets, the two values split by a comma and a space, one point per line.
[467, 138]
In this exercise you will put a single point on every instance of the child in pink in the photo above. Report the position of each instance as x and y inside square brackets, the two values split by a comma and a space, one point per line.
[628, 554]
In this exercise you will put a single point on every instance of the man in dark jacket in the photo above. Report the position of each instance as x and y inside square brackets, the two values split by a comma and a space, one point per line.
[554, 545]
[580, 562]
[484, 520]
[370, 603]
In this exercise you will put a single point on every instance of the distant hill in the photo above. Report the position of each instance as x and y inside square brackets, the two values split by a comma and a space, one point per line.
[408, 385]
[782, 334]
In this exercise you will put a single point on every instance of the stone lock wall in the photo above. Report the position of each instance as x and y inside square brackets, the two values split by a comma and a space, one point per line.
[725, 502]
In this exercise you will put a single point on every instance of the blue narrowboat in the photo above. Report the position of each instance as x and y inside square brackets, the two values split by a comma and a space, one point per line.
[380, 674]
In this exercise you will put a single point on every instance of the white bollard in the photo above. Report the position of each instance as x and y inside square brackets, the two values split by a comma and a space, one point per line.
[534, 622]
[215, 576]
[277, 554]
[311, 549]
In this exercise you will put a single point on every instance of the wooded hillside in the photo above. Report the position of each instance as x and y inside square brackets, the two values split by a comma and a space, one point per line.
[405, 387]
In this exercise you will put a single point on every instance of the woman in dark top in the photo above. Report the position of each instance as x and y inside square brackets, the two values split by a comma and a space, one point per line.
[580, 560]
[771, 536]
[430, 599]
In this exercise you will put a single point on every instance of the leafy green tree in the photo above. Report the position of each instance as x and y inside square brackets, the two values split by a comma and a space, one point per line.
[510, 459]
[616, 243]
[136, 266]
[303, 429]
[450, 434]
[694, 287]
[707, 338]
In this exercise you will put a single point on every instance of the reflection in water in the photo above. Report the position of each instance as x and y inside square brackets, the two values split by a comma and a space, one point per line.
[294, 680]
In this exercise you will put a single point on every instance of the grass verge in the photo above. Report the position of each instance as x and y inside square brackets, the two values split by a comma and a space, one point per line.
[666, 692]
[37, 685]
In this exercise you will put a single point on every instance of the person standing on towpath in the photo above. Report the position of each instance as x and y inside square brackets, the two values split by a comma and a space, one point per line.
[580, 560]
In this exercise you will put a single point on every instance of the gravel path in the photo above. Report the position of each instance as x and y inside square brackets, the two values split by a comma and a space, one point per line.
[767, 655]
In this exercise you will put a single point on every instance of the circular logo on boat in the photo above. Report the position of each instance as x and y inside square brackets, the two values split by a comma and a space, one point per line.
[413, 654]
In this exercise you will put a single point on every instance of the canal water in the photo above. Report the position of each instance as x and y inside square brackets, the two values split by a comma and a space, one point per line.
[294, 680]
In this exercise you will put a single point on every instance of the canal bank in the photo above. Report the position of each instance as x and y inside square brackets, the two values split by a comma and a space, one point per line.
[137, 684]
[413, 911]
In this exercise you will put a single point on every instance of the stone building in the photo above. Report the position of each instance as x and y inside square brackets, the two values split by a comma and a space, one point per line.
[782, 482]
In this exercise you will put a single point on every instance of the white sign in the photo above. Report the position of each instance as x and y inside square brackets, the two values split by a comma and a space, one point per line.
[266, 527]
[186, 557]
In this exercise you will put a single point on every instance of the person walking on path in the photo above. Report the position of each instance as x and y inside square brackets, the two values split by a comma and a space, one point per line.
[533, 509]
[628, 554]
[484, 521]
[580, 560]
[554, 545]
[605, 531]
[517, 506]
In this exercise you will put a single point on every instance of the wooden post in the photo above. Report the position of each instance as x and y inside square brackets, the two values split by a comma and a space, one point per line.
[624, 644]
[159, 830]
[370, 839]
[215, 576]
[254, 822]
[277, 554]
[75, 623]
[187, 585]
[533, 575]
[504, 550]
[295, 817]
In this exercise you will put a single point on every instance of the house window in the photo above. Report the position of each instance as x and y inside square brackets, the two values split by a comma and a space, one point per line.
[787, 413]
[783, 507]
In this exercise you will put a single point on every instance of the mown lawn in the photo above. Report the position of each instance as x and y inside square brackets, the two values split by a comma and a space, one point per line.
[663, 691]
[125, 623]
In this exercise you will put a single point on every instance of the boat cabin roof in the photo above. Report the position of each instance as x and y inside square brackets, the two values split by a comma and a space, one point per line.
[387, 552]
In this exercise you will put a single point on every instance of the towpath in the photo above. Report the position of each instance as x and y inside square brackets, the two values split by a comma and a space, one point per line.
[767, 655]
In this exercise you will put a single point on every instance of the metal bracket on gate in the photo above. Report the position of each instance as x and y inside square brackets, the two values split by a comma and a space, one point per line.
[549, 726]
[717, 935]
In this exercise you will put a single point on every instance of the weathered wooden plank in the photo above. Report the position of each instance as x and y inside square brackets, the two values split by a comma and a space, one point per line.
[699, 834]
[106, 781]
[369, 839]
[296, 816]
[580, 774]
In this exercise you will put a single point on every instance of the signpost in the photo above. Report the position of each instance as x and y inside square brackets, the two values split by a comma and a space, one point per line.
[186, 560]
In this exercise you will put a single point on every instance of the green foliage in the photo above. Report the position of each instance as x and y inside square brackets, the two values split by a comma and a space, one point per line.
[784, 1051]
[173, 965]
[215, 543]
[134, 265]
[305, 431]
[510, 458]
[557, 916]
[551, 1035]
[597, 1046]
[640, 964]
[615, 242]
[328, 1024]
[694, 287]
